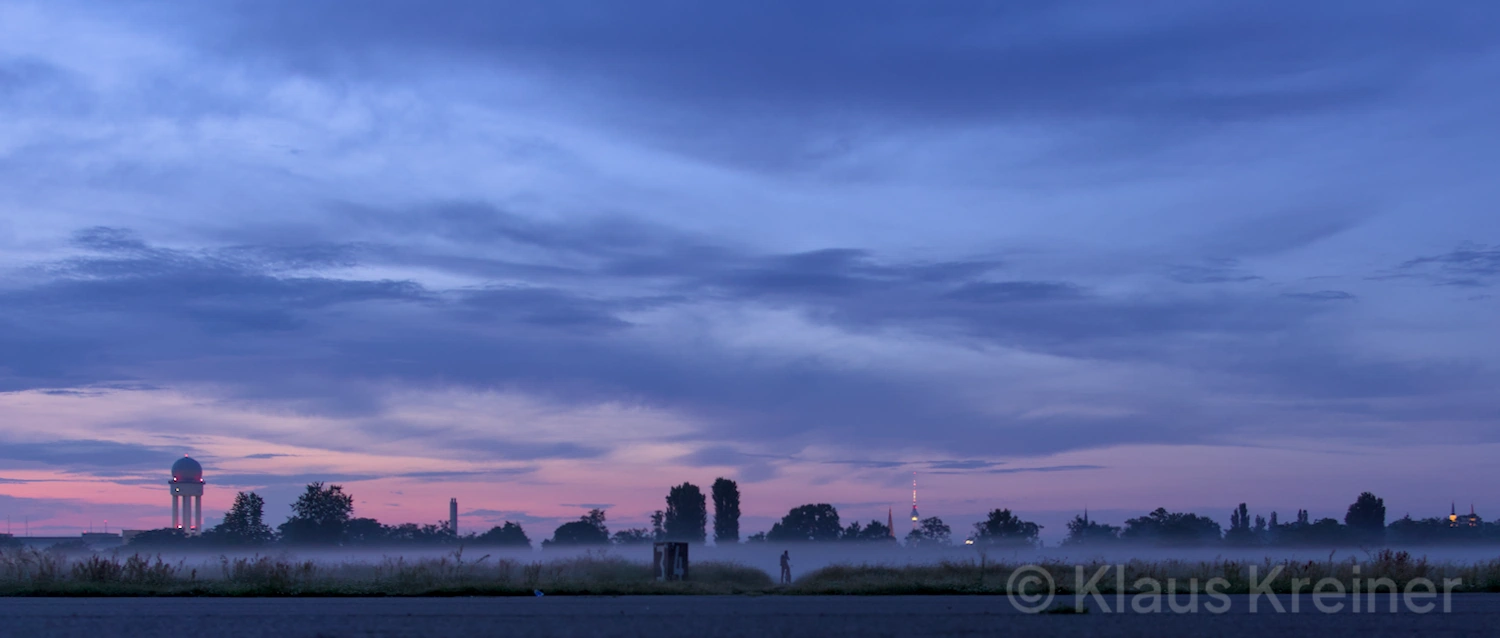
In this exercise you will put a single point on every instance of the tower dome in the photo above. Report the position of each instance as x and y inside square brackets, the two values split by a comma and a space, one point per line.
[187, 495]
[186, 470]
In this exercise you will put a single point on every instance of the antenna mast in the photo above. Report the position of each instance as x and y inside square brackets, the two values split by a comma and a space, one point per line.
[914, 516]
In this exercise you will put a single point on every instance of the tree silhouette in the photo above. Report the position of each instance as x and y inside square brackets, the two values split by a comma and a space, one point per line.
[1172, 529]
[1326, 532]
[658, 532]
[413, 534]
[1240, 533]
[1305, 532]
[687, 514]
[318, 516]
[364, 531]
[507, 535]
[852, 532]
[930, 532]
[595, 517]
[818, 522]
[876, 531]
[633, 536]
[1082, 531]
[1240, 518]
[726, 495]
[1002, 528]
[589, 529]
[1427, 531]
[1366, 519]
[242, 524]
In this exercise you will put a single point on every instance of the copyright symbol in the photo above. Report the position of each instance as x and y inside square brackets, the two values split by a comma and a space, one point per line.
[1031, 589]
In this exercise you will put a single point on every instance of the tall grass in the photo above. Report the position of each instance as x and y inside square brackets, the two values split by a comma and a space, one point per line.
[31, 572]
[980, 576]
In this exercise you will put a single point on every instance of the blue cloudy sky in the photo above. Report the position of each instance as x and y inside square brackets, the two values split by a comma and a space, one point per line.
[550, 255]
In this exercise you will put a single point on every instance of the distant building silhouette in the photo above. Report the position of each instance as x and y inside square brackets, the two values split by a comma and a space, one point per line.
[1469, 520]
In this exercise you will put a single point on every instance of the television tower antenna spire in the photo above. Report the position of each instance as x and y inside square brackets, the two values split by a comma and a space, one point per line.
[914, 516]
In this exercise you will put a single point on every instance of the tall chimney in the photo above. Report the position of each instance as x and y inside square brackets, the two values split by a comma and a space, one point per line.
[453, 516]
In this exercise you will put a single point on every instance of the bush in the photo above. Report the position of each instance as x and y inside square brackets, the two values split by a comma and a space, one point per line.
[28, 566]
[98, 569]
[263, 573]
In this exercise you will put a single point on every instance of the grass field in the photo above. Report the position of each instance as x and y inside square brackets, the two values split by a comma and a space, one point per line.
[31, 572]
[979, 576]
[34, 573]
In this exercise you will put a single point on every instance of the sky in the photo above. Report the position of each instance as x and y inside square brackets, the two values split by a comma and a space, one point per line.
[545, 256]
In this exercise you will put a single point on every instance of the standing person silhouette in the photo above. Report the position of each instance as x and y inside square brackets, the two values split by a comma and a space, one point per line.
[786, 568]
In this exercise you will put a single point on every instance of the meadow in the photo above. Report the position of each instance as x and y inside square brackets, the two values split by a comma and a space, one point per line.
[31, 572]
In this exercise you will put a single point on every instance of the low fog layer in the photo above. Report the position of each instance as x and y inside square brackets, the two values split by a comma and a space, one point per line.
[808, 557]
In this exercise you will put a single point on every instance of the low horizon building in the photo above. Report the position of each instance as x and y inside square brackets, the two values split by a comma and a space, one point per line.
[1457, 520]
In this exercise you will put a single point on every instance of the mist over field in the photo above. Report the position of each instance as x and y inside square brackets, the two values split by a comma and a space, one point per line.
[808, 557]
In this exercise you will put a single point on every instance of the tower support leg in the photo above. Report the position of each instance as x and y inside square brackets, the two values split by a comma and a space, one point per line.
[176, 520]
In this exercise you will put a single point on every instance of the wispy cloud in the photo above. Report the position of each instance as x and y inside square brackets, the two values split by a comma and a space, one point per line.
[1471, 265]
[806, 242]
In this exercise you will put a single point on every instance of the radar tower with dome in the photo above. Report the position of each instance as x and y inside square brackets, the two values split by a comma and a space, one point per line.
[187, 495]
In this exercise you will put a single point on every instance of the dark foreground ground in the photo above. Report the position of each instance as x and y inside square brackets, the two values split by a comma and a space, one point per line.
[665, 616]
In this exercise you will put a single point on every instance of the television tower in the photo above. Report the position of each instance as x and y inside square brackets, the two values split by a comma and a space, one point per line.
[914, 516]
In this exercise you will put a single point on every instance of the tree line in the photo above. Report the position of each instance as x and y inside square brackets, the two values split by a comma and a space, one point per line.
[323, 515]
[1364, 525]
